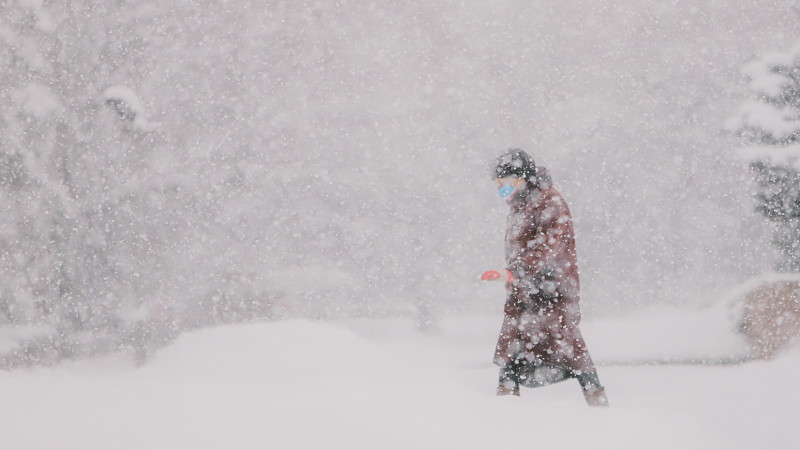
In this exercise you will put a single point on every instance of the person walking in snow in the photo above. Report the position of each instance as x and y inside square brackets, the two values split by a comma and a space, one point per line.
[539, 341]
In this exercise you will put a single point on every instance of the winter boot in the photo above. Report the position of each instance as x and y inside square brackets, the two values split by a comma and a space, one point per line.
[508, 384]
[593, 391]
[595, 397]
[505, 390]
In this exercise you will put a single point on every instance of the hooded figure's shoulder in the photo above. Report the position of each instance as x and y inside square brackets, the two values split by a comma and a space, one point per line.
[548, 200]
[542, 179]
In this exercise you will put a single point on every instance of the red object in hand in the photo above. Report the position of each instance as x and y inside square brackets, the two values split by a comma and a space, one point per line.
[491, 275]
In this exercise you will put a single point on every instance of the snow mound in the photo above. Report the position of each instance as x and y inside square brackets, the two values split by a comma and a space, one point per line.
[275, 351]
[662, 334]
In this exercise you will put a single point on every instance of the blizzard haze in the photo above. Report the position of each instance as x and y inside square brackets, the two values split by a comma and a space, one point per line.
[224, 223]
[335, 155]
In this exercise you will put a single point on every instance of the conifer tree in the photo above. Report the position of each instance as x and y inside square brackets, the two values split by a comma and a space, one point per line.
[770, 122]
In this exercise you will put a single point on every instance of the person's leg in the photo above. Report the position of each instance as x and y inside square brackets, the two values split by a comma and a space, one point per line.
[583, 368]
[508, 384]
[593, 391]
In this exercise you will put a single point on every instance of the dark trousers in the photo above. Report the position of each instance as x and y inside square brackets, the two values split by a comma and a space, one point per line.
[521, 372]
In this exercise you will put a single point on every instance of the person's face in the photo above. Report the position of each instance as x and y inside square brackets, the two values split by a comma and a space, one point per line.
[515, 183]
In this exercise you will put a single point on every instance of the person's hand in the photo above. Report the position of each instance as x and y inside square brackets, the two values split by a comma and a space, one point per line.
[493, 275]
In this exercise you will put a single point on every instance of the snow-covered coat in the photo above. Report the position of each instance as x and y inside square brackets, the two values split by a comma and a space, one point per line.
[541, 311]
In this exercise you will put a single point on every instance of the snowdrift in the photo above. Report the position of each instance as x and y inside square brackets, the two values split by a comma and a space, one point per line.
[380, 384]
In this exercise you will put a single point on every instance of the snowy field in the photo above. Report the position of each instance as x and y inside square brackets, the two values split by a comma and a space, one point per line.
[379, 384]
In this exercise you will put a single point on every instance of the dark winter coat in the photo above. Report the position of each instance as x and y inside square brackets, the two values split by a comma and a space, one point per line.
[541, 311]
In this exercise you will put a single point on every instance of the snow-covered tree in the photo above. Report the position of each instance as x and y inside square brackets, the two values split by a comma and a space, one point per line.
[770, 122]
[86, 217]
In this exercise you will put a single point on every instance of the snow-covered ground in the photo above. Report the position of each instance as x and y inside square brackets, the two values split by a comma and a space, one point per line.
[379, 384]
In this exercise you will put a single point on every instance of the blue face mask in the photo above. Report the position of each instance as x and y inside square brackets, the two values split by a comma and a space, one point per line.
[506, 191]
